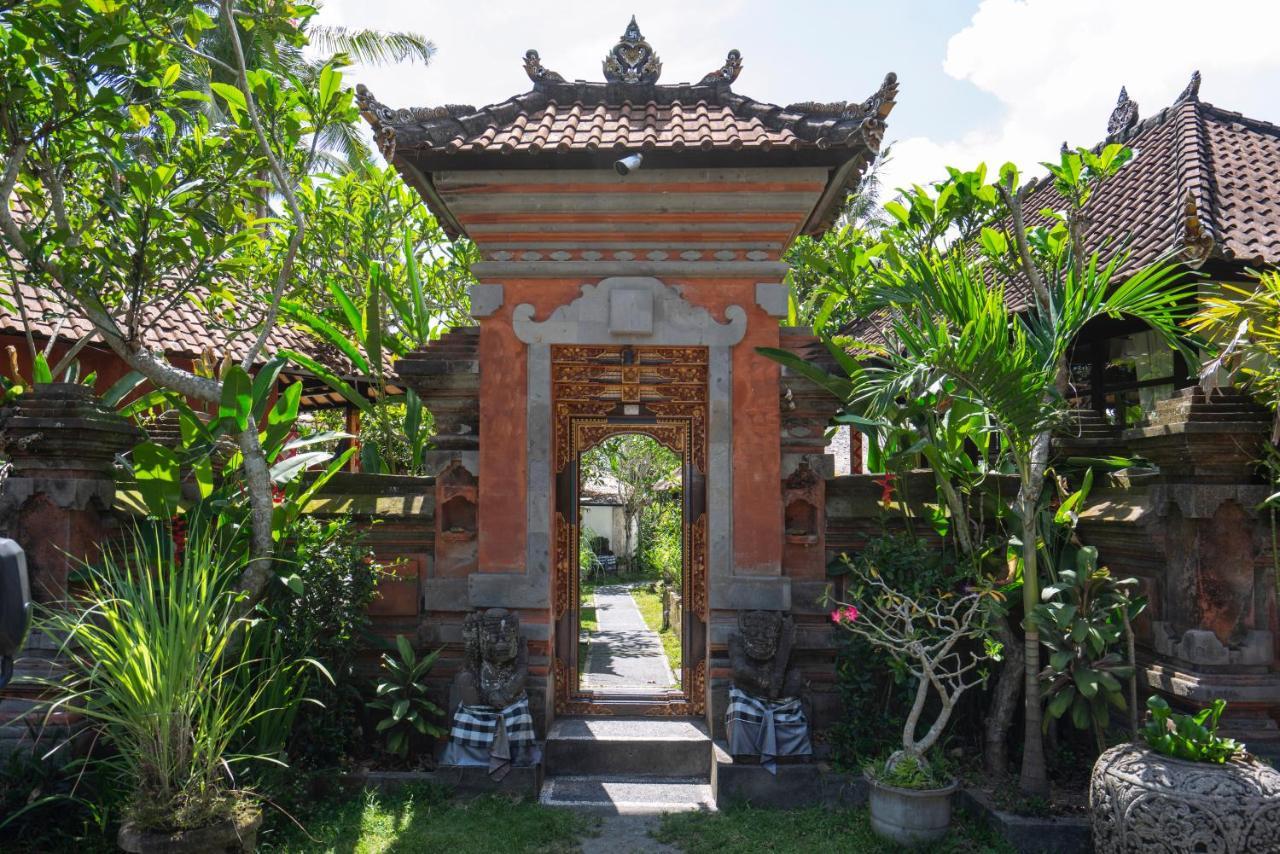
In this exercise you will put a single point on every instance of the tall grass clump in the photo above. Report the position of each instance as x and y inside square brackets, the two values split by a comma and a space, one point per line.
[158, 663]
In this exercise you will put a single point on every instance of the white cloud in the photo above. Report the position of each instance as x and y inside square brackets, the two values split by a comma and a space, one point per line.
[1056, 68]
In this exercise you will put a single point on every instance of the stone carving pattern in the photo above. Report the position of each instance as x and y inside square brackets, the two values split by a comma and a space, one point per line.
[496, 659]
[632, 59]
[537, 73]
[697, 563]
[563, 583]
[1123, 117]
[1138, 798]
[760, 654]
[727, 73]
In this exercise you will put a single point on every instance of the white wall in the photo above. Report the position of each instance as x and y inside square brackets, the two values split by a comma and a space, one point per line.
[608, 522]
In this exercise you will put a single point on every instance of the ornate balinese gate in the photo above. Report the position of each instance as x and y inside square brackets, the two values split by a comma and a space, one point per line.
[604, 391]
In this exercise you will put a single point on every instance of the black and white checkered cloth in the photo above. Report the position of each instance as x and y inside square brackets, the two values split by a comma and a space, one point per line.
[766, 728]
[477, 726]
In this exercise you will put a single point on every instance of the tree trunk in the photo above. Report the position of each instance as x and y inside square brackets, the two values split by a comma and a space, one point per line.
[1004, 702]
[1034, 779]
[257, 475]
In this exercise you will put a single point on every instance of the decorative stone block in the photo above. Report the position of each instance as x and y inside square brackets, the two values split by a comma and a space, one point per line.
[631, 312]
[1140, 800]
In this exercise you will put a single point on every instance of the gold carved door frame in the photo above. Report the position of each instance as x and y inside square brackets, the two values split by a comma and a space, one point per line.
[604, 391]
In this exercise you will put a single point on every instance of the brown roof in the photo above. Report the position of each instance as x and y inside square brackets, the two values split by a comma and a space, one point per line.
[588, 125]
[181, 332]
[1205, 182]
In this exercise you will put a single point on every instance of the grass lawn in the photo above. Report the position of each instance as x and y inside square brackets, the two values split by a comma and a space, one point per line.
[586, 621]
[422, 819]
[650, 605]
[743, 830]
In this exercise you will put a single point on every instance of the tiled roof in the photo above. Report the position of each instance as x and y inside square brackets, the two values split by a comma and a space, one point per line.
[182, 332]
[1205, 182]
[561, 124]
[588, 117]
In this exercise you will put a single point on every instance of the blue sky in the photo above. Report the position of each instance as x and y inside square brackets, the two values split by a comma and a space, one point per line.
[990, 80]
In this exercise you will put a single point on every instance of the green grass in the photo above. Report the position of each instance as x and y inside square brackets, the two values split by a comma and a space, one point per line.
[422, 819]
[650, 605]
[743, 830]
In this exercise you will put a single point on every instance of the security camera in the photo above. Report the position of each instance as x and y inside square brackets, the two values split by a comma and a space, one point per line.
[628, 164]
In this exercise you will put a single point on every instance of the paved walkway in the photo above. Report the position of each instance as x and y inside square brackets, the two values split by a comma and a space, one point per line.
[625, 654]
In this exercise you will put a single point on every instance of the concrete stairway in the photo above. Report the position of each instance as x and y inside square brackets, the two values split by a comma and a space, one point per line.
[628, 765]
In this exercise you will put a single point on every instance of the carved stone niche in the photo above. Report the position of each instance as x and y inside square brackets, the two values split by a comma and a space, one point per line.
[456, 513]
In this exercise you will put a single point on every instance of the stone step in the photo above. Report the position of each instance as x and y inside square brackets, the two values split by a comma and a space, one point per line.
[622, 795]
[628, 747]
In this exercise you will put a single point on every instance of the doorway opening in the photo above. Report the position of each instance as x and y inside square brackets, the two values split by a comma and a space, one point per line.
[631, 567]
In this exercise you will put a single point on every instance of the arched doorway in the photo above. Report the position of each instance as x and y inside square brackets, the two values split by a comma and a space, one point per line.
[600, 392]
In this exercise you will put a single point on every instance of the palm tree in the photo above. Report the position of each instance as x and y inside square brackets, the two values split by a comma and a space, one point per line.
[947, 324]
[341, 147]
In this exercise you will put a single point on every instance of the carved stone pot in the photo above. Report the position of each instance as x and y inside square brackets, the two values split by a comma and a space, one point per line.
[236, 835]
[1138, 797]
[910, 816]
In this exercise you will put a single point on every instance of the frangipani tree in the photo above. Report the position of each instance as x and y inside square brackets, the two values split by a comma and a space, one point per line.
[120, 194]
[940, 296]
[941, 638]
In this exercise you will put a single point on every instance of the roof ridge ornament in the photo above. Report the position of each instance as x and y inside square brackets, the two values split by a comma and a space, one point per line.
[1192, 92]
[537, 73]
[632, 59]
[727, 73]
[1124, 117]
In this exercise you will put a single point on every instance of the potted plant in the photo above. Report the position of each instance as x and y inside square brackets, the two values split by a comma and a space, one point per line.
[941, 638]
[161, 661]
[1186, 786]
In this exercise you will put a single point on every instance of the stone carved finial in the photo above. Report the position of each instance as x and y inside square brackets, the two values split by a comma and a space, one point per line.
[1192, 92]
[879, 104]
[632, 60]
[727, 73]
[760, 655]
[537, 73]
[1123, 117]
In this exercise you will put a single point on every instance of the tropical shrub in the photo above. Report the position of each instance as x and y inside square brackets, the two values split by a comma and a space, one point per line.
[403, 694]
[319, 610]
[1082, 622]
[1191, 737]
[941, 638]
[876, 690]
[660, 550]
[157, 662]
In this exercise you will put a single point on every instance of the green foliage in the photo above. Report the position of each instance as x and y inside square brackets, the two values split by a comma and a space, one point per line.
[659, 552]
[423, 818]
[746, 829]
[402, 693]
[1082, 624]
[160, 668]
[50, 803]
[635, 468]
[1191, 737]
[876, 690]
[319, 610]
[906, 771]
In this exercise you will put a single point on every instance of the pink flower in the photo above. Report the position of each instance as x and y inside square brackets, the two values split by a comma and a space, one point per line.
[840, 615]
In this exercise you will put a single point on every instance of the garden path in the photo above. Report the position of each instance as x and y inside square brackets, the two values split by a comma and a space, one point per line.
[625, 654]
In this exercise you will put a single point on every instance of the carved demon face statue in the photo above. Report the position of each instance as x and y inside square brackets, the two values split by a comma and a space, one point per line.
[499, 636]
[760, 633]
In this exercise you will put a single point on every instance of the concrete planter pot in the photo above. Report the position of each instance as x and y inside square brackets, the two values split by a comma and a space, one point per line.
[238, 835]
[1138, 798]
[910, 816]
